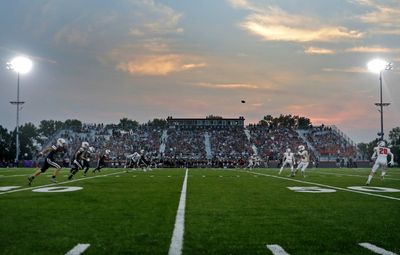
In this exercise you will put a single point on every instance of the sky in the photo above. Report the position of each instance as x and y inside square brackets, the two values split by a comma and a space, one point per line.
[100, 60]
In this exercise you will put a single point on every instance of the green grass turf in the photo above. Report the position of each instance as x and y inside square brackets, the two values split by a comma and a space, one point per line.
[227, 212]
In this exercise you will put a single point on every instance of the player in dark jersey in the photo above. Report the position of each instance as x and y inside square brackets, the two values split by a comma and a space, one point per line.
[101, 162]
[49, 161]
[79, 157]
[86, 163]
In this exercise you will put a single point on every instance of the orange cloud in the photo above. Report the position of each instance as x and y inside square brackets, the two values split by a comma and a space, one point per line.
[347, 70]
[158, 65]
[318, 51]
[372, 49]
[228, 86]
[274, 24]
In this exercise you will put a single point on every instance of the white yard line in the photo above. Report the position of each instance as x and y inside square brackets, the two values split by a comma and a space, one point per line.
[17, 175]
[376, 249]
[328, 186]
[176, 245]
[276, 249]
[58, 183]
[78, 249]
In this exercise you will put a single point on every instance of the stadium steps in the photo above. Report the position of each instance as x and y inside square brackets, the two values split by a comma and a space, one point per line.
[164, 138]
[309, 145]
[207, 145]
[248, 135]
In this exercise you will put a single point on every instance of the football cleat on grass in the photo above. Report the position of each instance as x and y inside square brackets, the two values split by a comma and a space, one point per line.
[30, 179]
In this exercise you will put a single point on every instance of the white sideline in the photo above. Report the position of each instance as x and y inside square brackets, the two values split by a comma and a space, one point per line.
[58, 183]
[276, 249]
[176, 245]
[78, 249]
[324, 185]
[376, 249]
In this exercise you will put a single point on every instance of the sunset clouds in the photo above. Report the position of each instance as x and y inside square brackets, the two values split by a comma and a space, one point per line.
[155, 58]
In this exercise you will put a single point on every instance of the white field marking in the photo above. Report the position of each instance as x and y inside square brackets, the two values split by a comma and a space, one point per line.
[353, 175]
[78, 249]
[376, 249]
[176, 245]
[17, 175]
[57, 189]
[7, 188]
[203, 176]
[59, 183]
[276, 249]
[169, 176]
[220, 176]
[327, 186]
[373, 189]
[238, 176]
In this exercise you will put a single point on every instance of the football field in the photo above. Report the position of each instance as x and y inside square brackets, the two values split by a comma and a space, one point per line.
[200, 211]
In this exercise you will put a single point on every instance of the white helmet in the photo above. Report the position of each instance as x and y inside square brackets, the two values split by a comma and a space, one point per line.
[108, 152]
[382, 144]
[288, 150]
[85, 145]
[91, 149]
[301, 147]
[61, 142]
[141, 151]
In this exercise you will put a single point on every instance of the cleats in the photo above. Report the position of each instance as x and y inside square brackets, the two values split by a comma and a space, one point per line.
[30, 179]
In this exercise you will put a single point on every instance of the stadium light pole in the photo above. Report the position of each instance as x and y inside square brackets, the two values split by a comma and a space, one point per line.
[378, 66]
[20, 65]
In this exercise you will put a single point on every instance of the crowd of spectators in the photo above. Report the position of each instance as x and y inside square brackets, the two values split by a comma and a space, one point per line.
[229, 146]
[328, 143]
[185, 143]
[272, 143]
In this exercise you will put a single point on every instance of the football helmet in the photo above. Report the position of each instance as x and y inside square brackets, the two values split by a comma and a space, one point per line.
[85, 145]
[382, 143]
[108, 152]
[91, 149]
[301, 147]
[61, 142]
[288, 150]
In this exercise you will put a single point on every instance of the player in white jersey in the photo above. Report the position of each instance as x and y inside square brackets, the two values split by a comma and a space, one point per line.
[132, 160]
[251, 162]
[304, 161]
[380, 155]
[288, 159]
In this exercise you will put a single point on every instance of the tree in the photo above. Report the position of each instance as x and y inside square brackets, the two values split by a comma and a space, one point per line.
[128, 124]
[49, 127]
[5, 141]
[28, 133]
[394, 136]
[157, 123]
[75, 125]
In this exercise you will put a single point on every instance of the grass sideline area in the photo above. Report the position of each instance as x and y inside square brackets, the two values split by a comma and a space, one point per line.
[227, 212]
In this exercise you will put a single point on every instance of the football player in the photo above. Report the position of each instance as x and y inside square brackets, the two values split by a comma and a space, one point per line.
[60, 147]
[251, 162]
[304, 161]
[132, 160]
[79, 157]
[86, 163]
[288, 159]
[102, 161]
[380, 155]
